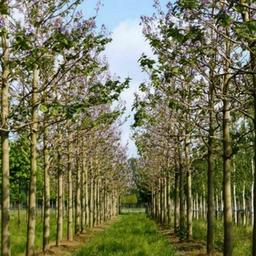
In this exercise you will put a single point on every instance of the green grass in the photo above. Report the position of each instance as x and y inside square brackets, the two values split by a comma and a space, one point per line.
[133, 235]
[18, 233]
[241, 235]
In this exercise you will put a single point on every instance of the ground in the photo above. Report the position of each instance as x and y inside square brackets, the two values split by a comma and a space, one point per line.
[183, 247]
[129, 234]
[68, 248]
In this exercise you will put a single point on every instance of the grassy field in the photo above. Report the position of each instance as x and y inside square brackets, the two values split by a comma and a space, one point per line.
[132, 235]
[242, 236]
[18, 232]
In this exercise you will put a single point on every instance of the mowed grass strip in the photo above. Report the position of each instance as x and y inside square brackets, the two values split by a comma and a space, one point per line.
[133, 235]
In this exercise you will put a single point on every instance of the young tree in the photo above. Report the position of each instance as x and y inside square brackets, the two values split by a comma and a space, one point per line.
[5, 79]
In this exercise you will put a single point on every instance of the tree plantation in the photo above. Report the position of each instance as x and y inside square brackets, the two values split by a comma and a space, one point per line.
[196, 117]
[57, 121]
[66, 176]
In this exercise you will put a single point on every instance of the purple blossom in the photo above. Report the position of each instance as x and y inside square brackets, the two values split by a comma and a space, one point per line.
[79, 14]
[57, 23]
[79, 25]
[89, 23]
[30, 30]
[2, 22]
[65, 30]
[169, 5]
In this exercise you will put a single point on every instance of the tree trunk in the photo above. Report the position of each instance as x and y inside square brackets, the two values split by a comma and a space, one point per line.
[253, 68]
[181, 196]
[161, 201]
[91, 203]
[70, 198]
[31, 228]
[176, 198]
[153, 203]
[59, 235]
[98, 201]
[105, 202]
[252, 194]
[46, 225]
[168, 199]
[5, 248]
[189, 191]
[210, 184]
[227, 169]
[235, 204]
[86, 198]
[244, 206]
[82, 196]
[95, 205]
[78, 200]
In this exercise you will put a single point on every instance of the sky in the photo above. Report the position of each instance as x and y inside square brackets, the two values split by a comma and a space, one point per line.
[122, 19]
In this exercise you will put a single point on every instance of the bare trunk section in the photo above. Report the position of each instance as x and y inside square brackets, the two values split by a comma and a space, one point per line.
[46, 228]
[210, 200]
[244, 206]
[82, 196]
[227, 151]
[253, 67]
[227, 169]
[5, 234]
[98, 202]
[210, 174]
[182, 227]
[70, 197]
[235, 199]
[161, 201]
[59, 235]
[252, 195]
[189, 191]
[168, 199]
[176, 198]
[95, 201]
[92, 203]
[78, 200]
[32, 186]
[87, 213]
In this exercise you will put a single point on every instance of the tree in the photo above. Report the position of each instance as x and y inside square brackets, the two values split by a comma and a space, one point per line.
[5, 74]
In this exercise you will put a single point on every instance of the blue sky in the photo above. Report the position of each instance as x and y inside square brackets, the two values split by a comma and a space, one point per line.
[114, 12]
[122, 18]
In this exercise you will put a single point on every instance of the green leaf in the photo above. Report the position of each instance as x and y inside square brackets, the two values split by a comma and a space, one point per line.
[146, 62]
[223, 18]
[43, 108]
[188, 4]
[4, 10]
[246, 30]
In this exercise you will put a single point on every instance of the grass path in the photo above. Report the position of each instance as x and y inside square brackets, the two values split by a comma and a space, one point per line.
[68, 248]
[131, 235]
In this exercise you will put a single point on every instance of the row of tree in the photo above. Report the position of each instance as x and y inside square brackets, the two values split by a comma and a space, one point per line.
[58, 128]
[196, 118]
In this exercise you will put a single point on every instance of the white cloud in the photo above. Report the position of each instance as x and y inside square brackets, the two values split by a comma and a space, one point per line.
[123, 53]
